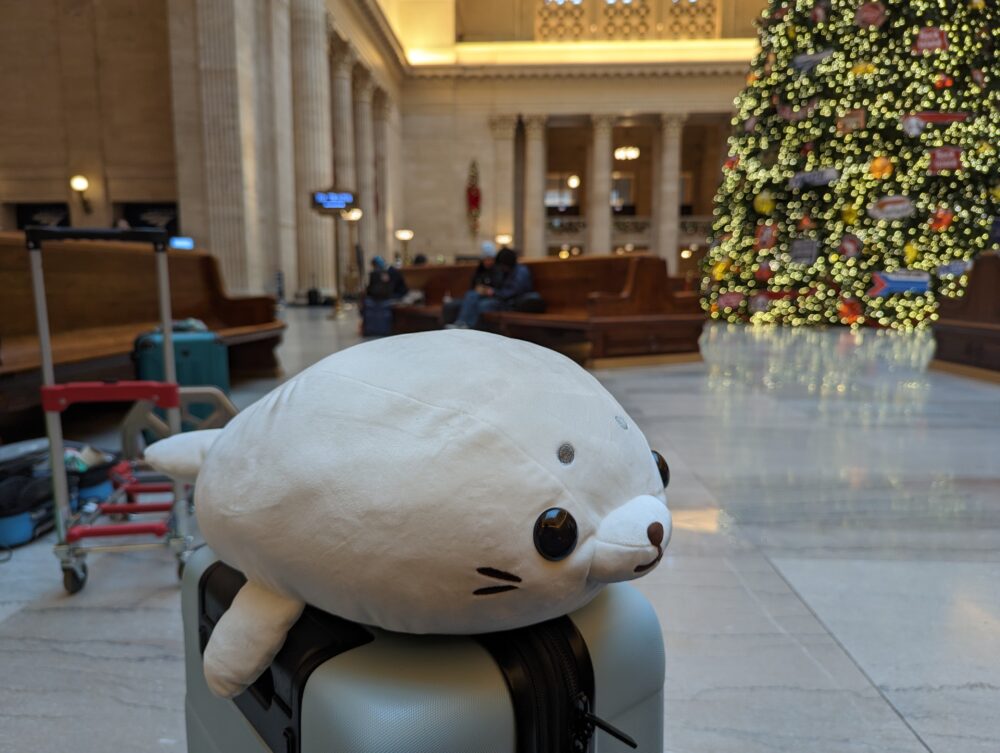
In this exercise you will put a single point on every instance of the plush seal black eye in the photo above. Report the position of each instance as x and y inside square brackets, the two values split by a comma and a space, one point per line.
[555, 534]
[662, 467]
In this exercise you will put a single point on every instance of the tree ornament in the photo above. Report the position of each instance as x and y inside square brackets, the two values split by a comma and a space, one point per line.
[902, 281]
[820, 12]
[720, 269]
[804, 251]
[850, 246]
[977, 4]
[943, 81]
[941, 219]
[769, 63]
[792, 32]
[881, 168]
[930, 39]
[850, 309]
[910, 252]
[995, 191]
[752, 78]
[863, 68]
[808, 148]
[764, 272]
[766, 236]
[732, 163]
[764, 202]
[870, 15]
[807, 61]
[849, 215]
[945, 159]
[814, 178]
[806, 223]
[891, 208]
[731, 300]
[978, 77]
[915, 123]
[852, 121]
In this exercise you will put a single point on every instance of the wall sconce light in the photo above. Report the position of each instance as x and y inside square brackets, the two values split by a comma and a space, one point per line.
[80, 184]
[573, 181]
[351, 215]
[504, 239]
[627, 153]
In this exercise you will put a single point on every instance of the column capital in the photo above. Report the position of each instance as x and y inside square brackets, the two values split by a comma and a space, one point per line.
[673, 123]
[534, 125]
[603, 123]
[364, 87]
[503, 126]
[382, 105]
[342, 60]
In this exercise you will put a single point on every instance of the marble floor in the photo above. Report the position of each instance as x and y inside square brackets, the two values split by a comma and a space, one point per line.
[833, 583]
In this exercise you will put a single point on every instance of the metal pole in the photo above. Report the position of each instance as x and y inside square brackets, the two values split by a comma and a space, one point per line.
[53, 420]
[167, 323]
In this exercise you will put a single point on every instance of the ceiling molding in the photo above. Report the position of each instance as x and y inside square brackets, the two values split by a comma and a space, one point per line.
[646, 70]
[385, 37]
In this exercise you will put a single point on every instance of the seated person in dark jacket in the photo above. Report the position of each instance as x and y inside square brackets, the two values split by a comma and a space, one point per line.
[510, 281]
[385, 283]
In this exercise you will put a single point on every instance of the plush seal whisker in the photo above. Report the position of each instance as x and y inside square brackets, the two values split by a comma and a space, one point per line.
[491, 590]
[492, 572]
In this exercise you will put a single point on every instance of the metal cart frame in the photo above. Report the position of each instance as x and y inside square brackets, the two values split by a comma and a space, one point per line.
[72, 531]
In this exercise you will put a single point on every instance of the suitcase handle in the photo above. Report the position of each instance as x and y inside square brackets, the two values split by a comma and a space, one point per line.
[58, 397]
[35, 234]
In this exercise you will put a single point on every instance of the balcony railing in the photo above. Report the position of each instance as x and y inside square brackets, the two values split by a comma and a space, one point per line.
[582, 20]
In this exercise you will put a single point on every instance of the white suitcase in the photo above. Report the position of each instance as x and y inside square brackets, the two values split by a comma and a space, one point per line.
[592, 681]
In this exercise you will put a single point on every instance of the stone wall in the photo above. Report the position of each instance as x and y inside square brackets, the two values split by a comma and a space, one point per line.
[86, 89]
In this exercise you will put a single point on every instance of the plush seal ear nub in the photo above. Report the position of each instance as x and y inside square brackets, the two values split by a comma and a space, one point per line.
[181, 455]
[247, 637]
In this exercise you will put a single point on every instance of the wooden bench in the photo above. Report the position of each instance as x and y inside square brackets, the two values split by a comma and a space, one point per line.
[101, 297]
[968, 328]
[618, 305]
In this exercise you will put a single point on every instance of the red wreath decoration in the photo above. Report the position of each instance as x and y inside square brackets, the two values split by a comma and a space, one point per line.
[473, 199]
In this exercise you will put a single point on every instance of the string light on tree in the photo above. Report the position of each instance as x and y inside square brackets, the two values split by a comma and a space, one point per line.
[863, 168]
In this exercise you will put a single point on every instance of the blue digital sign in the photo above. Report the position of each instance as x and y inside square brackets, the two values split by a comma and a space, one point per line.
[182, 242]
[332, 200]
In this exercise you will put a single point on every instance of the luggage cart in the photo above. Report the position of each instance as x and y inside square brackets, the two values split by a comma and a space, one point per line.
[81, 533]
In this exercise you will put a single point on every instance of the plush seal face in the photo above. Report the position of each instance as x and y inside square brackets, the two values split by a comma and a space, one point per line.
[448, 482]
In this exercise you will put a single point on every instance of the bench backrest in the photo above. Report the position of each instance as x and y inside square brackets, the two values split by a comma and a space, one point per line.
[92, 285]
[564, 283]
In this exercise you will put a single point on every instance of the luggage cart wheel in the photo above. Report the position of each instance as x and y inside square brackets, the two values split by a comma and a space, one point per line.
[180, 569]
[74, 578]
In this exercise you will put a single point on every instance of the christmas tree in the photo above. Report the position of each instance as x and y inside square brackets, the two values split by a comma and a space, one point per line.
[863, 173]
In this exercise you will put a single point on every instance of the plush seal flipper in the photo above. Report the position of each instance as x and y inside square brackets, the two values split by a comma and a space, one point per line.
[181, 455]
[247, 637]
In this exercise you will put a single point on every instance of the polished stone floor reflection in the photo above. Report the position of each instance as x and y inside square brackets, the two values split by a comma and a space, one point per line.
[833, 583]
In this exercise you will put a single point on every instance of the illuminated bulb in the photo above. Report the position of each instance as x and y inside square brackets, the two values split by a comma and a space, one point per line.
[79, 183]
[573, 181]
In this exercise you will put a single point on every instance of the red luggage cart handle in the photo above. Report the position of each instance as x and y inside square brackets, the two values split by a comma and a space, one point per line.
[58, 397]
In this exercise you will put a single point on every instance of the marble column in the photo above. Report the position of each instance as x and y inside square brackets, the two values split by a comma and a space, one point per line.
[364, 150]
[313, 159]
[285, 252]
[668, 211]
[341, 80]
[534, 185]
[599, 186]
[227, 49]
[384, 230]
[504, 130]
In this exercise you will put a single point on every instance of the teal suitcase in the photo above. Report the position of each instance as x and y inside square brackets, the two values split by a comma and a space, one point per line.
[202, 360]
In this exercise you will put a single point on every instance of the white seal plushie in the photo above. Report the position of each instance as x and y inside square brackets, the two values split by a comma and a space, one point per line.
[443, 482]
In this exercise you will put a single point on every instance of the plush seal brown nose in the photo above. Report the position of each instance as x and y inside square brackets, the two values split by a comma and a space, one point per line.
[655, 533]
